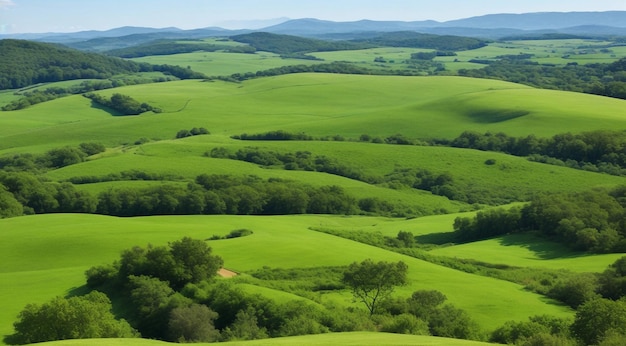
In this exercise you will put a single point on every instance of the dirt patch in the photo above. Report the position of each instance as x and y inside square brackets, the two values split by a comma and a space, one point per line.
[225, 273]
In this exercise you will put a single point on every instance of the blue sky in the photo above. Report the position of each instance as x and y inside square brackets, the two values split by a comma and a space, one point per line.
[19, 16]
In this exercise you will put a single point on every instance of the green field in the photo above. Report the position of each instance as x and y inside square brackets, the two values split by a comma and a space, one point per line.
[347, 105]
[53, 249]
[354, 339]
[46, 255]
[225, 64]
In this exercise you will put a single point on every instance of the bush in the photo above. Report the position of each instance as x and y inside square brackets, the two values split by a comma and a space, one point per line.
[83, 317]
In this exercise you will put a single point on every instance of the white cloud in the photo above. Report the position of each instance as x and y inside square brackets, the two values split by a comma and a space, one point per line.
[6, 3]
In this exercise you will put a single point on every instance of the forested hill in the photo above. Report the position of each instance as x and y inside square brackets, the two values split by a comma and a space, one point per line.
[429, 41]
[287, 44]
[25, 63]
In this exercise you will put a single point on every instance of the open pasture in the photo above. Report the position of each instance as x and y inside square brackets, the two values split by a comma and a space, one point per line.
[557, 52]
[223, 63]
[320, 105]
[349, 339]
[57, 249]
[526, 250]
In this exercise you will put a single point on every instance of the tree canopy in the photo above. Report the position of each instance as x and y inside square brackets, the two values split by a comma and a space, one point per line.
[373, 282]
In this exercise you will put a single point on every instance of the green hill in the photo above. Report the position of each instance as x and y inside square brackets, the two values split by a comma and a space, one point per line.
[26, 63]
[46, 255]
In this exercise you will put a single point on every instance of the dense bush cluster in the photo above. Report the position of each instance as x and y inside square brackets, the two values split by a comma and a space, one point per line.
[289, 45]
[601, 79]
[30, 98]
[420, 40]
[169, 47]
[598, 151]
[123, 104]
[589, 221]
[222, 194]
[26, 63]
[83, 317]
[193, 132]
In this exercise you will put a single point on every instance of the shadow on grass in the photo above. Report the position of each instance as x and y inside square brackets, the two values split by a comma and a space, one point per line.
[113, 112]
[543, 248]
[437, 238]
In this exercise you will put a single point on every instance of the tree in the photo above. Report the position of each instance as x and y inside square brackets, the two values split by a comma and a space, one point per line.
[373, 282]
[598, 318]
[192, 323]
[82, 317]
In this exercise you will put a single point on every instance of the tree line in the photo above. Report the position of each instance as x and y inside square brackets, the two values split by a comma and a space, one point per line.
[169, 47]
[123, 104]
[26, 63]
[170, 293]
[587, 221]
[600, 79]
[598, 151]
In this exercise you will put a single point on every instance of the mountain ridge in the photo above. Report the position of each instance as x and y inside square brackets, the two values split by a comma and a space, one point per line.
[491, 26]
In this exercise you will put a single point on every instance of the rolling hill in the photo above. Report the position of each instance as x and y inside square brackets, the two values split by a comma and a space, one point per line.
[47, 255]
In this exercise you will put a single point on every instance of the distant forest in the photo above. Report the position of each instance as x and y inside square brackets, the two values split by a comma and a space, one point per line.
[25, 63]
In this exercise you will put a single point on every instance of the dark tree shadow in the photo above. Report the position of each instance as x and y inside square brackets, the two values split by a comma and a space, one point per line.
[544, 249]
[437, 238]
[113, 112]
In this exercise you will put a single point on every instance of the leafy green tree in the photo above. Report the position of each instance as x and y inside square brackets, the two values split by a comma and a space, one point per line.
[9, 206]
[193, 323]
[82, 317]
[373, 282]
[452, 322]
[598, 317]
[613, 280]
[194, 261]
[245, 327]
[406, 324]
[423, 303]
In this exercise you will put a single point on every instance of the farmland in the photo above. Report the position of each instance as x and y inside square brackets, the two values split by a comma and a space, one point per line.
[47, 254]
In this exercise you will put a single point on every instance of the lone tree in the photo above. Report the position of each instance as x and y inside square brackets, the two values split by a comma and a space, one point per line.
[374, 282]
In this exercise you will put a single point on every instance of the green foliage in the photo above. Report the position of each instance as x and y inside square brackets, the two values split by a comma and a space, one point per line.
[406, 324]
[9, 206]
[538, 329]
[601, 79]
[599, 318]
[576, 290]
[589, 221]
[287, 44]
[168, 47]
[245, 327]
[429, 41]
[26, 63]
[185, 261]
[192, 323]
[612, 282]
[597, 151]
[373, 282]
[81, 317]
[123, 104]
[193, 132]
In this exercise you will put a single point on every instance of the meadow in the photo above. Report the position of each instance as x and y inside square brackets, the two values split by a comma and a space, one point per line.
[355, 338]
[46, 255]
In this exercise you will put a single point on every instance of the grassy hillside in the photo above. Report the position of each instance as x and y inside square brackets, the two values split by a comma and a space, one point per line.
[312, 340]
[318, 104]
[46, 255]
[57, 249]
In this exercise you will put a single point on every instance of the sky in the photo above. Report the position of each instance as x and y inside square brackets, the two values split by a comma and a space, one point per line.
[38, 16]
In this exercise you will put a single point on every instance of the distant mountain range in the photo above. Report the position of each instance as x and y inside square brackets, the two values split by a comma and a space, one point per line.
[493, 26]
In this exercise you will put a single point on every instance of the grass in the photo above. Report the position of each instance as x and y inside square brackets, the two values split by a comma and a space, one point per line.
[56, 249]
[225, 64]
[526, 250]
[354, 338]
[317, 104]
[46, 255]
